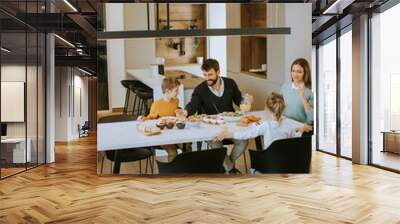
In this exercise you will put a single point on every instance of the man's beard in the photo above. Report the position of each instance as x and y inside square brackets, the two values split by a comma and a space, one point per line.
[213, 82]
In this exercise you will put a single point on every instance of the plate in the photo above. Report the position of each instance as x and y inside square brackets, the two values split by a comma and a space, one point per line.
[214, 121]
[231, 116]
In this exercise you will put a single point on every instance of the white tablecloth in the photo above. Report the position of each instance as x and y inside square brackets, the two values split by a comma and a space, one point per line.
[122, 135]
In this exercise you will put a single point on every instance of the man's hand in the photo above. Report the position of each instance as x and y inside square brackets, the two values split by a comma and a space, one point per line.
[181, 113]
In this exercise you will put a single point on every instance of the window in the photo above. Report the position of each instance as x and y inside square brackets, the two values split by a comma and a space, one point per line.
[385, 88]
[327, 96]
[346, 94]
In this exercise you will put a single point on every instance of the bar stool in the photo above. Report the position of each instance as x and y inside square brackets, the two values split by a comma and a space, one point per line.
[131, 86]
[144, 96]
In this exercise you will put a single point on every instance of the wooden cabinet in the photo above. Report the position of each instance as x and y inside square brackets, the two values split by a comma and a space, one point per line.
[253, 48]
[177, 51]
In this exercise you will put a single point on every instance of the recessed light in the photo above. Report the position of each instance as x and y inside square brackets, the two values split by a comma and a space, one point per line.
[5, 50]
[70, 5]
[64, 40]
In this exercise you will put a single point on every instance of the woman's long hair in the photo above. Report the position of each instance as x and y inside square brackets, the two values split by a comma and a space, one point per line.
[307, 71]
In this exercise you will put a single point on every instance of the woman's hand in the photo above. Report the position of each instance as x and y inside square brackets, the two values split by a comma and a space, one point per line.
[141, 118]
[307, 106]
[301, 92]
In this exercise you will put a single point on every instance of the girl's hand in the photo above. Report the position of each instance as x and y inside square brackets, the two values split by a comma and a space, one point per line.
[306, 128]
[140, 118]
[223, 135]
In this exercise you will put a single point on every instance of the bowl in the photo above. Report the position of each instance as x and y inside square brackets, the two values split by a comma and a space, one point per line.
[161, 126]
[170, 125]
[180, 125]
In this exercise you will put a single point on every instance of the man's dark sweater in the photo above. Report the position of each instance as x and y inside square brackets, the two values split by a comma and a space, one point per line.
[206, 102]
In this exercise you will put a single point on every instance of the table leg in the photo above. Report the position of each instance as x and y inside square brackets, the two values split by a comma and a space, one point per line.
[116, 163]
[259, 145]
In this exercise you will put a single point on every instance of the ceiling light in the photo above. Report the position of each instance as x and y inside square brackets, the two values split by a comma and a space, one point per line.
[5, 50]
[338, 6]
[65, 41]
[70, 5]
[84, 71]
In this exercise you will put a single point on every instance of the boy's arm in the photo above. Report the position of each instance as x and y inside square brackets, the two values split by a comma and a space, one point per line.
[153, 112]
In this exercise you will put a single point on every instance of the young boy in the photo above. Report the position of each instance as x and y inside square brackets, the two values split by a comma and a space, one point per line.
[166, 106]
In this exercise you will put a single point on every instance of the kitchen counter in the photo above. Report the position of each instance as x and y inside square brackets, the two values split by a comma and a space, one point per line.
[191, 73]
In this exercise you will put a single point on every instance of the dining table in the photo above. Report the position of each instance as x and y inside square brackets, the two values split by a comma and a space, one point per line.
[124, 135]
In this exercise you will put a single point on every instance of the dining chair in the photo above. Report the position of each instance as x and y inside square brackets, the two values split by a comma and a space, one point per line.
[125, 155]
[292, 155]
[197, 162]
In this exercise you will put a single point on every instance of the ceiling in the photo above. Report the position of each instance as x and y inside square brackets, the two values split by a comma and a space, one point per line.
[76, 22]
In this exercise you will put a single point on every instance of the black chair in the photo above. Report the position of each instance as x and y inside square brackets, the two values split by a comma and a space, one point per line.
[144, 97]
[291, 155]
[84, 129]
[131, 86]
[207, 161]
[125, 155]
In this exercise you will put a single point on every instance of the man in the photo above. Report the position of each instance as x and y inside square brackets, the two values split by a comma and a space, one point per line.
[213, 96]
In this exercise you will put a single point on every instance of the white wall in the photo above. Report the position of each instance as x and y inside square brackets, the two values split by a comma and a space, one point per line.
[115, 55]
[67, 114]
[139, 53]
[281, 49]
[216, 18]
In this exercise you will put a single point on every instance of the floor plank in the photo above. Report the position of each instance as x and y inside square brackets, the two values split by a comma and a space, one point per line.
[70, 191]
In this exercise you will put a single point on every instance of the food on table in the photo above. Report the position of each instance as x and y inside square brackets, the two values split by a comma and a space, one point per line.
[213, 119]
[249, 119]
[180, 125]
[232, 116]
[170, 124]
[196, 118]
[161, 125]
[149, 130]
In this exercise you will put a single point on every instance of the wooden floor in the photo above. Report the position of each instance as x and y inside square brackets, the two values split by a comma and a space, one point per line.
[70, 191]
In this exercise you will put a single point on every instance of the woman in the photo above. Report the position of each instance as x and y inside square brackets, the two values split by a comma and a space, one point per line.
[298, 95]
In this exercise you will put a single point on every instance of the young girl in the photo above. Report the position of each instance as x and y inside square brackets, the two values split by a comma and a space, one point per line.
[275, 127]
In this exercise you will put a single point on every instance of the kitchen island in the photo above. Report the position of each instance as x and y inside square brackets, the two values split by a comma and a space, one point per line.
[188, 75]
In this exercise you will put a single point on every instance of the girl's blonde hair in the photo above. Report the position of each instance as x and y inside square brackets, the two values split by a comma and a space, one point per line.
[276, 104]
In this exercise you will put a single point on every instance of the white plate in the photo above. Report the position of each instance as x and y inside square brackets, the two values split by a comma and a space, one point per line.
[231, 118]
